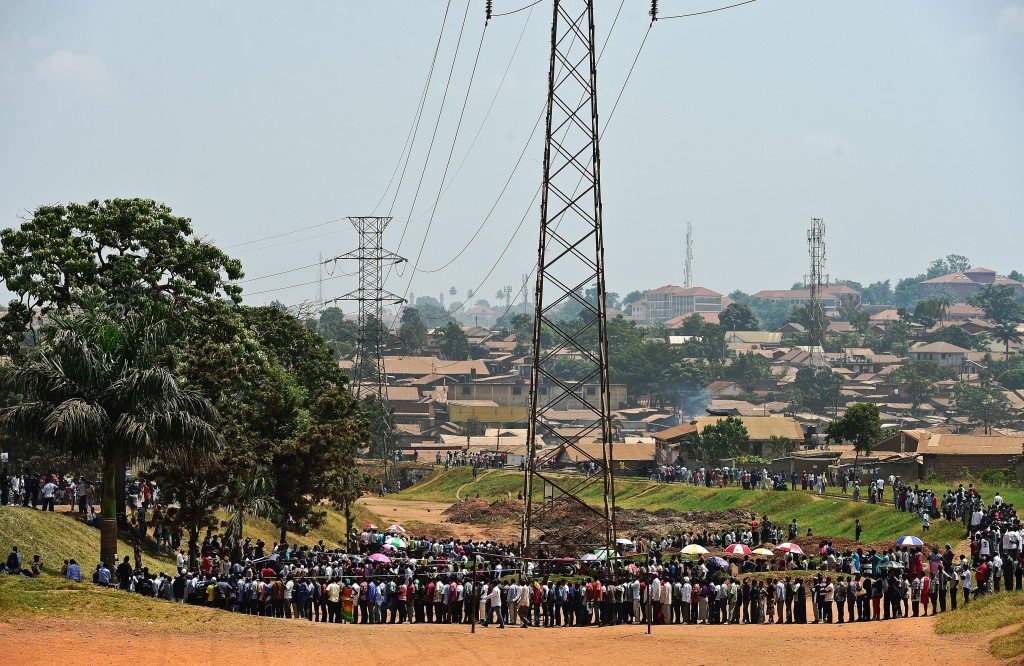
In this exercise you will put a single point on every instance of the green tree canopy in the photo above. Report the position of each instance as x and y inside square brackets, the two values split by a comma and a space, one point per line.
[130, 253]
[452, 342]
[984, 405]
[722, 439]
[738, 317]
[1002, 308]
[412, 332]
[97, 388]
[861, 425]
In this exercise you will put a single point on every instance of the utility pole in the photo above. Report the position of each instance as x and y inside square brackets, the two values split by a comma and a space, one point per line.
[570, 258]
[818, 280]
[369, 381]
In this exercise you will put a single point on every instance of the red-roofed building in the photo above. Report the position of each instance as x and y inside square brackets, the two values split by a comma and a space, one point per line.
[668, 302]
[964, 285]
[831, 297]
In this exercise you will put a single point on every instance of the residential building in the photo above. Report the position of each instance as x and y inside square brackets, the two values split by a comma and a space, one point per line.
[945, 354]
[964, 285]
[831, 297]
[668, 302]
[949, 456]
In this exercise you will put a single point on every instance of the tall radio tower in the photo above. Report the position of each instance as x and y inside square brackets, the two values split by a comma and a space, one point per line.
[818, 280]
[688, 271]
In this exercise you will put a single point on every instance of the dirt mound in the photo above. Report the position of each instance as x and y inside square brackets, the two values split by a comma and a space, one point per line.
[480, 512]
[812, 545]
[640, 522]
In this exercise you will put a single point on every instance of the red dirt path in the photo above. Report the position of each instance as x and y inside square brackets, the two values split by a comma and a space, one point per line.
[274, 642]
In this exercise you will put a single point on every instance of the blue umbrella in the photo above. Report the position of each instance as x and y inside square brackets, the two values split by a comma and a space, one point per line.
[909, 541]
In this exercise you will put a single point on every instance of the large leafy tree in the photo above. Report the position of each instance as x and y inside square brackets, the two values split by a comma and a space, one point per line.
[738, 317]
[861, 425]
[452, 342]
[818, 387]
[97, 388]
[722, 439]
[133, 253]
[917, 380]
[984, 405]
[1002, 308]
[412, 332]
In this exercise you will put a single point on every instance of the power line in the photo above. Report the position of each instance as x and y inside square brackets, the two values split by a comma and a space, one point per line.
[291, 242]
[480, 129]
[532, 4]
[281, 235]
[410, 138]
[708, 11]
[300, 284]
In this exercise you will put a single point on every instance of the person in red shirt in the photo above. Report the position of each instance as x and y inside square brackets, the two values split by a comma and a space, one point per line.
[428, 598]
[926, 587]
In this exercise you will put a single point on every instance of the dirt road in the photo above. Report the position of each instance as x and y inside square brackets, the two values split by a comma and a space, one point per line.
[275, 642]
[428, 521]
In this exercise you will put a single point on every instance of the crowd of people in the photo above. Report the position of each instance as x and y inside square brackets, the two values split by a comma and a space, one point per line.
[383, 577]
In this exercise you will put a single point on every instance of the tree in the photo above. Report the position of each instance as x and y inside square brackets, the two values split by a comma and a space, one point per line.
[917, 380]
[253, 495]
[693, 324]
[632, 297]
[907, 291]
[818, 387]
[738, 317]
[130, 253]
[861, 425]
[878, 293]
[453, 343]
[412, 332]
[96, 387]
[571, 369]
[748, 369]
[722, 439]
[1002, 308]
[771, 315]
[314, 464]
[984, 405]
[930, 312]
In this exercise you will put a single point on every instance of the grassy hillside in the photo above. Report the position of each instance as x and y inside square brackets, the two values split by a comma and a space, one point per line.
[987, 614]
[826, 517]
[58, 536]
[52, 597]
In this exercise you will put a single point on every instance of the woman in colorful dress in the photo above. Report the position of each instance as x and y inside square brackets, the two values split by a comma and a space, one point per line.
[347, 605]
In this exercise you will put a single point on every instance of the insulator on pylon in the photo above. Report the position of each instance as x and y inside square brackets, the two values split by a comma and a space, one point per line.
[654, 10]
[489, 7]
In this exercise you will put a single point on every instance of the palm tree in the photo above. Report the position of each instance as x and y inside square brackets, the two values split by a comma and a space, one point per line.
[253, 496]
[96, 388]
[1006, 332]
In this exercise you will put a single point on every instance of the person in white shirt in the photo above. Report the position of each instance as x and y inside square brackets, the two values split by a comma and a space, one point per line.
[666, 602]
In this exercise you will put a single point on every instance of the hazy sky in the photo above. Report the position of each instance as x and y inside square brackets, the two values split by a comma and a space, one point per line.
[900, 123]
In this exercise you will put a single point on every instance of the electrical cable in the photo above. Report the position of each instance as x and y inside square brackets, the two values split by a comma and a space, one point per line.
[290, 270]
[514, 11]
[291, 242]
[300, 284]
[523, 152]
[479, 129]
[709, 11]
[286, 233]
[433, 137]
[451, 153]
[410, 138]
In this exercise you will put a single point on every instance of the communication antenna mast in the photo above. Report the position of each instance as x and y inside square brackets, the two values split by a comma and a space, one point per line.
[688, 271]
[817, 282]
[570, 259]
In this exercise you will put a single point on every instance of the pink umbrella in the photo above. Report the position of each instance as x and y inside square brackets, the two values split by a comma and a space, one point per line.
[388, 546]
[738, 549]
[790, 548]
[377, 557]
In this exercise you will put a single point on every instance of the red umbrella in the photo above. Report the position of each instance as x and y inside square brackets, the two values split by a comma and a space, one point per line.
[790, 548]
[738, 549]
[369, 526]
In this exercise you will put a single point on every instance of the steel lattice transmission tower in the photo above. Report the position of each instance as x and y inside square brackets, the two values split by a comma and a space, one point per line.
[818, 280]
[570, 261]
[368, 372]
[369, 381]
[688, 269]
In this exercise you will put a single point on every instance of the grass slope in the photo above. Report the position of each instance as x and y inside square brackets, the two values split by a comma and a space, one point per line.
[53, 597]
[58, 536]
[987, 614]
[826, 517]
